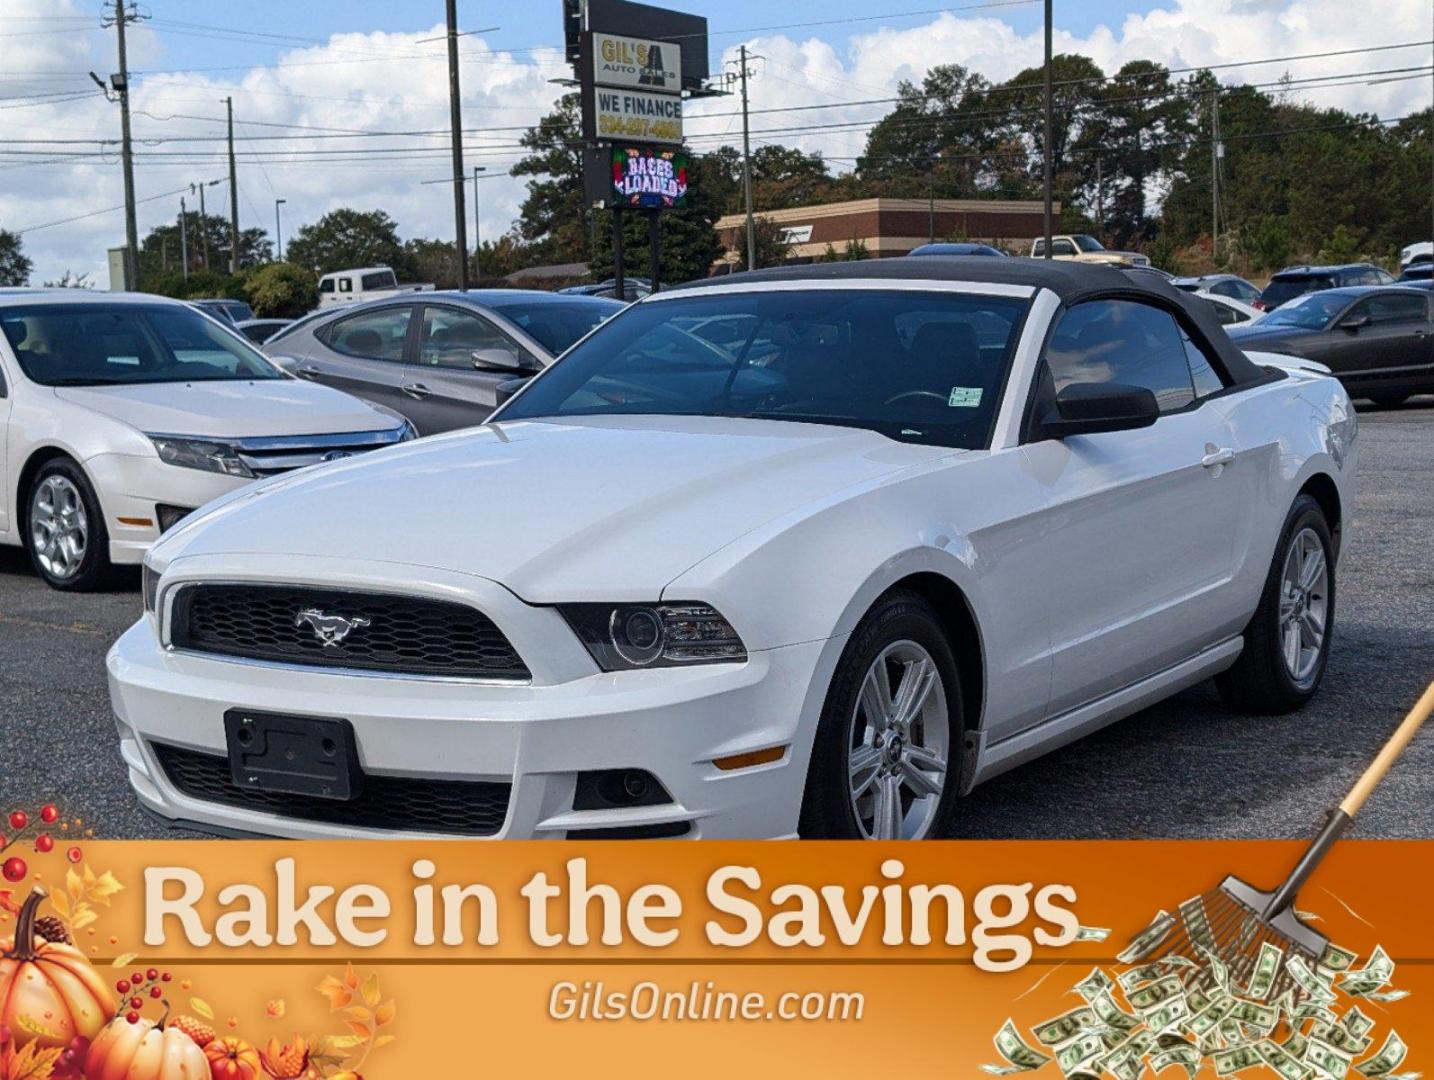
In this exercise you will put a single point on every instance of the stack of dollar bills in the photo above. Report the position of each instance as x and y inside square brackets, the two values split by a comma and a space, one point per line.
[1194, 1012]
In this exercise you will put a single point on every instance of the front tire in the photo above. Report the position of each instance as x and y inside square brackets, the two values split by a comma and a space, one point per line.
[65, 531]
[1287, 642]
[885, 758]
[1388, 401]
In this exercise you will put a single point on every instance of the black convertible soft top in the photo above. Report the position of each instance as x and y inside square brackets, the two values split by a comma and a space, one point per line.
[1072, 282]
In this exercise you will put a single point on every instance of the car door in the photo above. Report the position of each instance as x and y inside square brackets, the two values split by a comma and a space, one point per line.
[458, 363]
[4, 440]
[1383, 338]
[1141, 526]
[363, 354]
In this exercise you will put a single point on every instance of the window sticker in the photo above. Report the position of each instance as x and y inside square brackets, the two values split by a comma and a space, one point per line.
[964, 397]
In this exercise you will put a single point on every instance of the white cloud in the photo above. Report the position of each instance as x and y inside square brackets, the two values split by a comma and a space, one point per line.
[386, 82]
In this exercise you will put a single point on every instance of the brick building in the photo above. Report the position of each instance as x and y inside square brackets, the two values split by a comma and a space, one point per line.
[894, 226]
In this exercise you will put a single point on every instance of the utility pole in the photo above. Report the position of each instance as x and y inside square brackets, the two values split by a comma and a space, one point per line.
[1215, 149]
[233, 195]
[455, 120]
[203, 225]
[120, 83]
[183, 238]
[1099, 198]
[477, 232]
[1046, 142]
[278, 231]
[747, 166]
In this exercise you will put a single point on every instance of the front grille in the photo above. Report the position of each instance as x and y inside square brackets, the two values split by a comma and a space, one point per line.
[397, 634]
[399, 804]
[271, 455]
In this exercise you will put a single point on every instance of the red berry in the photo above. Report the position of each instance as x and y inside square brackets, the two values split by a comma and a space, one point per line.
[137, 978]
[49, 813]
[74, 854]
[136, 1003]
[122, 986]
[152, 974]
[132, 1017]
[19, 819]
[44, 843]
[15, 869]
[155, 991]
[165, 977]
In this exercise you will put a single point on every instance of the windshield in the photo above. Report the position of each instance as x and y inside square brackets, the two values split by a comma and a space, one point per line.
[1309, 312]
[556, 324]
[924, 367]
[120, 344]
[1088, 243]
[1282, 290]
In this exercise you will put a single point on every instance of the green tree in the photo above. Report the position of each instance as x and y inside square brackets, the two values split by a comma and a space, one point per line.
[555, 219]
[856, 250]
[159, 251]
[14, 266]
[1075, 85]
[71, 280]
[282, 290]
[769, 243]
[346, 239]
[829, 254]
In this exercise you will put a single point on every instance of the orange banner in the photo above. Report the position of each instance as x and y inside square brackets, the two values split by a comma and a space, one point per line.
[448, 959]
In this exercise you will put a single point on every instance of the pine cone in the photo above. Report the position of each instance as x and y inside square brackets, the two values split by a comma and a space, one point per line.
[52, 929]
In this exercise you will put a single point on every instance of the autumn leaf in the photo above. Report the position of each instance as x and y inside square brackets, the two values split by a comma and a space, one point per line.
[103, 888]
[123, 960]
[363, 1031]
[74, 885]
[7, 902]
[383, 1040]
[371, 994]
[33, 1063]
[61, 903]
[351, 979]
[276, 1008]
[202, 1007]
[84, 915]
[359, 1013]
[335, 1043]
[337, 993]
[384, 1014]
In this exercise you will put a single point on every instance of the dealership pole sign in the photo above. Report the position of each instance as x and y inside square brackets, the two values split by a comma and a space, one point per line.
[631, 90]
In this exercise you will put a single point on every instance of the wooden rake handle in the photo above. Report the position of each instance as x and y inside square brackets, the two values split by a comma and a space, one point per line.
[1342, 818]
[1387, 756]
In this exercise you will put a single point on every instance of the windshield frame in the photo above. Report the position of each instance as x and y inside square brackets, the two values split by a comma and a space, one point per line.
[1084, 242]
[1025, 295]
[142, 309]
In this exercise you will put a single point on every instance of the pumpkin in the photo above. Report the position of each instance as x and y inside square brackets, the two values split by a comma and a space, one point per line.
[144, 1050]
[232, 1059]
[49, 993]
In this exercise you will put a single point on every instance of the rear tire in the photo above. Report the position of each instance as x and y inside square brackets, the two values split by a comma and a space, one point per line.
[65, 530]
[1287, 642]
[886, 758]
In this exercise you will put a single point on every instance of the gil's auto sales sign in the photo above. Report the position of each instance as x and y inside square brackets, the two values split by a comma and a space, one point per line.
[631, 90]
[636, 64]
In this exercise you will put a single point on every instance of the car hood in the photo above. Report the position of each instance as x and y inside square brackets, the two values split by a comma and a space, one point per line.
[241, 408]
[603, 508]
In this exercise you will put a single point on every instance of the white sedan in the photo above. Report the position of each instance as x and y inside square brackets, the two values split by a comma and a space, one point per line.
[120, 415]
[808, 552]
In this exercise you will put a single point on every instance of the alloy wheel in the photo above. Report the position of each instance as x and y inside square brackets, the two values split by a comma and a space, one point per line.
[1304, 606]
[59, 527]
[899, 745]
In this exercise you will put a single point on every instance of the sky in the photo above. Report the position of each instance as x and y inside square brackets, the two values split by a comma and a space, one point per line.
[340, 75]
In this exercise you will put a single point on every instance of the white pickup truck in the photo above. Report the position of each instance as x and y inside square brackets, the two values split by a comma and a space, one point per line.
[364, 283]
[1082, 248]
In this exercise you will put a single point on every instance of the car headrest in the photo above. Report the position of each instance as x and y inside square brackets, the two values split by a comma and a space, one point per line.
[363, 340]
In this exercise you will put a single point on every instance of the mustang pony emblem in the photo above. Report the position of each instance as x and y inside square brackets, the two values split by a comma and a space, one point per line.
[329, 629]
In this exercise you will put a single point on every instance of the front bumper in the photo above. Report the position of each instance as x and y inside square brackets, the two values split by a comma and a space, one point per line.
[672, 722]
[130, 487]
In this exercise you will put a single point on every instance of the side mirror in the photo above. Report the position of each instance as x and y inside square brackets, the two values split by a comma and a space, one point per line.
[507, 388]
[1354, 322]
[496, 359]
[1092, 408]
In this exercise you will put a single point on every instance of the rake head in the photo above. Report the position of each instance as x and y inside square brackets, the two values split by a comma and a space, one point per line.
[1232, 924]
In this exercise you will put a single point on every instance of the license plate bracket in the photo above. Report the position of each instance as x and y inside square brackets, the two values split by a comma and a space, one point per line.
[293, 755]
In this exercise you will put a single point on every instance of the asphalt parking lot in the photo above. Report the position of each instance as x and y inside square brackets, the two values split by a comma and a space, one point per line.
[1187, 768]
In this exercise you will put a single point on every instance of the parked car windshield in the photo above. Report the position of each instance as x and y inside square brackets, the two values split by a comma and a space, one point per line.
[1088, 243]
[117, 344]
[1283, 290]
[554, 324]
[1312, 311]
[922, 367]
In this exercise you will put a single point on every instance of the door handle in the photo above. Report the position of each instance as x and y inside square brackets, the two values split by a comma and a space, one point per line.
[308, 372]
[1215, 456]
[415, 390]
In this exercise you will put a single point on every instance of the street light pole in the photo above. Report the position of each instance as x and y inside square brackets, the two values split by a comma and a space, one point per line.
[1046, 141]
[477, 231]
[455, 119]
[278, 231]
[183, 239]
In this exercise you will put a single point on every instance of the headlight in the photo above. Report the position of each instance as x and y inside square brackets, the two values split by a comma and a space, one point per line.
[200, 454]
[149, 578]
[622, 637]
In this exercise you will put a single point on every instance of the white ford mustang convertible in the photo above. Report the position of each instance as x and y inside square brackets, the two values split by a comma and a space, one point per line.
[804, 552]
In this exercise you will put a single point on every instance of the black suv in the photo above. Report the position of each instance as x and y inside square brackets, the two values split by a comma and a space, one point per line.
[1295, 281]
